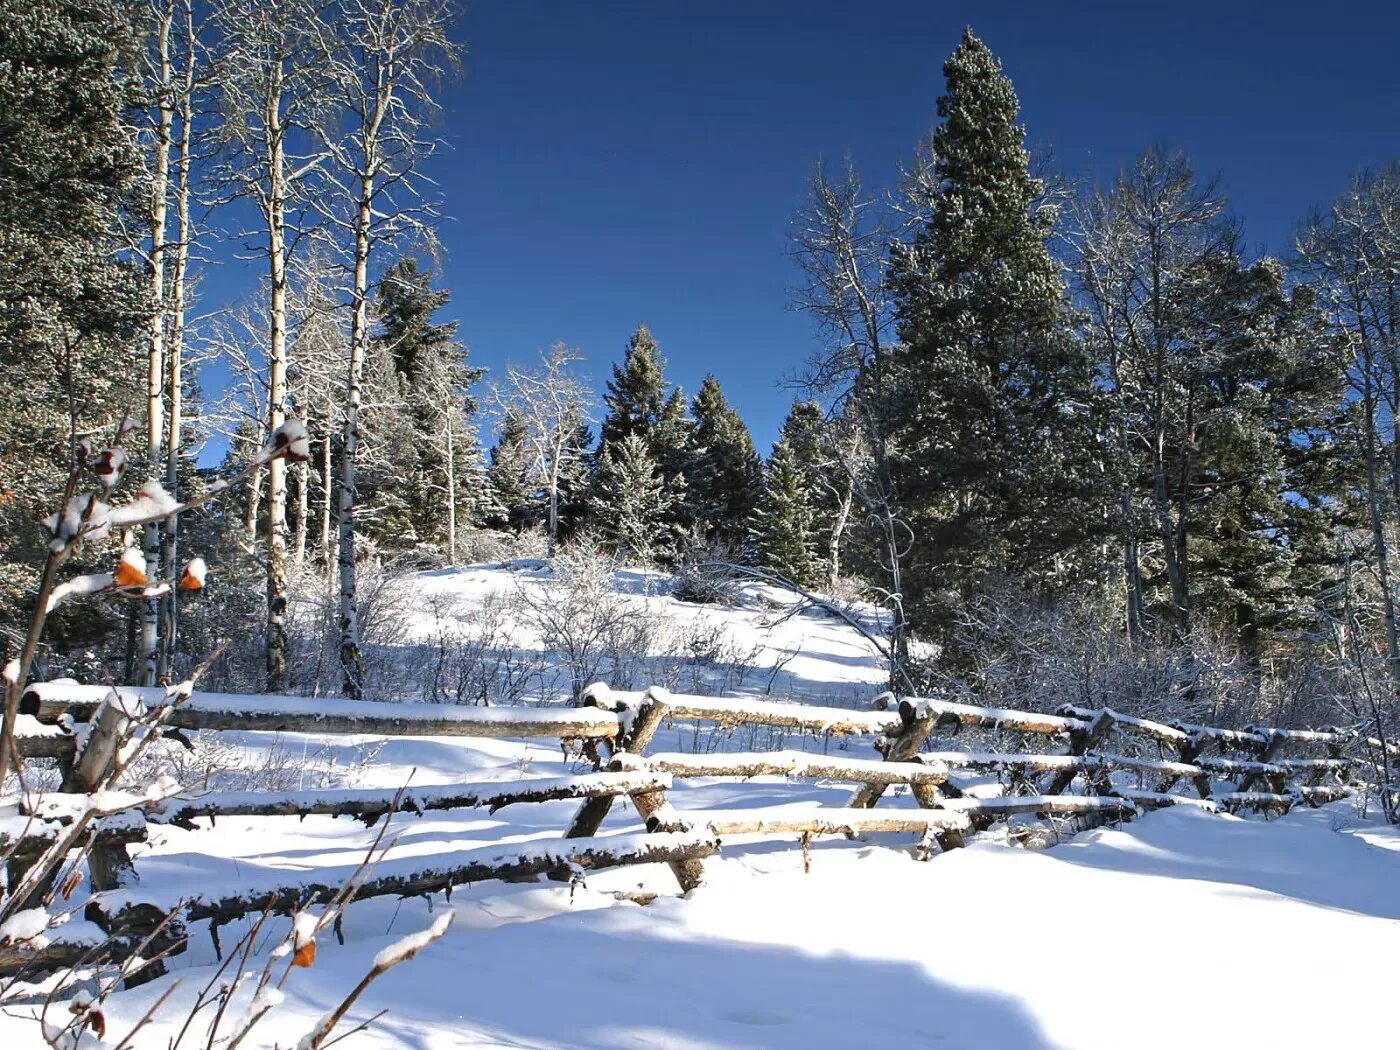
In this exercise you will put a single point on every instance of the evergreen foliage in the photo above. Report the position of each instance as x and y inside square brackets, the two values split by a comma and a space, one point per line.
[992, 457]
[725, 474]
[631, 501]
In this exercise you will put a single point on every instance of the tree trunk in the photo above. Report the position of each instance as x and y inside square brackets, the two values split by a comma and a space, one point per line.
[350, 664]
[176, 350]
[451, 495]
[155, 368]
[303, 476]
[276, 641]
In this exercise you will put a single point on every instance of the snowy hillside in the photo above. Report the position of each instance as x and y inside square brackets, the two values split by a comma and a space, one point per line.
[1111, 932]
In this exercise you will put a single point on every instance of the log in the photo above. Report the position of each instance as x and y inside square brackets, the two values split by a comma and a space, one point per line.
[1317, 796]
[294, 714]
[1160, 800]
[798, 764]
[1256, 800]
[1235, 739]
[900, 749]
[1307, 736]
[62, 948]
[36, 740]
[785, 820]
[835, 721]
[29, 835]
[997, 718]
[1313, 765]
[1081, 741]
[984, 811]
[634, 741]
[1236, 767]
[369, 804]
[286, 892]
[1140, 726]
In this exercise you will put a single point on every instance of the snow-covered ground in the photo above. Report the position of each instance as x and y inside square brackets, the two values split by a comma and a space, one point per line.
[1182, 928]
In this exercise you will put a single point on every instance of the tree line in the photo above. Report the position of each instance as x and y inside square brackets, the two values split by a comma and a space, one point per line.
[1093, 394]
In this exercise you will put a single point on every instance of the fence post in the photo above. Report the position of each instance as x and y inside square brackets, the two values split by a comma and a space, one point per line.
[647, 720]
[903, 748]
[109, 865]
[1080, 742]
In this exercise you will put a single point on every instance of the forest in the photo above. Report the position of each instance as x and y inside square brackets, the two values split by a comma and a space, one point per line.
[1052, 441]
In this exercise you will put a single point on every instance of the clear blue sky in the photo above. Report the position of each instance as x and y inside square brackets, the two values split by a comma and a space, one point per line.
[615, 162]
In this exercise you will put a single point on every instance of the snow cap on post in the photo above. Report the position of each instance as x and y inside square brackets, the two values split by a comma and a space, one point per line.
[597, 694]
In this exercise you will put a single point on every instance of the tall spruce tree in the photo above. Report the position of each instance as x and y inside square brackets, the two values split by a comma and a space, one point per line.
[642, 404]
[783, 523]
[990, 466]
[725, 474]
[439, 478]
[70, 306]
[631, 502]
[514, 505]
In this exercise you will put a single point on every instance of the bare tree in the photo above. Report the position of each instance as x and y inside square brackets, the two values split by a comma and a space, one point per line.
[187, 90]
[273, 91]
[384, 59]
[840, 241]
[554, 404]
[1352, 255]
[1136, 244]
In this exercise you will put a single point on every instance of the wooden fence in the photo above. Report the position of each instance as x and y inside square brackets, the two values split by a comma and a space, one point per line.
[1258, 768]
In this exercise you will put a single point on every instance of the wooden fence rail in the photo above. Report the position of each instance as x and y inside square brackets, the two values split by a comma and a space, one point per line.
[618, 729]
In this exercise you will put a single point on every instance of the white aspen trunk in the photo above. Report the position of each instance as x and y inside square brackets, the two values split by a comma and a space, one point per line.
[276, 642]
[350, 665]
[327, 466]
[155, 374]
[175, 351]
[303, 476]
[451, 495]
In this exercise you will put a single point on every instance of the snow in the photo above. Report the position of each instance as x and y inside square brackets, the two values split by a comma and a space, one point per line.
[25, 925]
[869, 948]
[407, 947]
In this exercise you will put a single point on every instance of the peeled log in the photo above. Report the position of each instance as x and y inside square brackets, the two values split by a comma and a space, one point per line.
[295, 714]
[834, 720]
[799, 764]
[286, 892]
[997, 718]
[371, 803]
[823, 821]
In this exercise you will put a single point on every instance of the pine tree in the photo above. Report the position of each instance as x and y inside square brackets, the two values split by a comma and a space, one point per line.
[725, 473]
[642, 404]
[70, 307]
[630, 502]
[782, 524]
[439, 481]
[636, 392]
[990, 451]
[513, 504]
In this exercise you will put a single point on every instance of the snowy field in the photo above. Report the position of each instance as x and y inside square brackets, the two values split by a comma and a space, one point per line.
[1182, 928]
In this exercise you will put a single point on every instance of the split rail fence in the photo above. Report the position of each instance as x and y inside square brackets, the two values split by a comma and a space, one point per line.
[1258, 768]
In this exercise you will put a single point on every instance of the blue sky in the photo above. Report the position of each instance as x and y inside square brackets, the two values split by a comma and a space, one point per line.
[614, 162]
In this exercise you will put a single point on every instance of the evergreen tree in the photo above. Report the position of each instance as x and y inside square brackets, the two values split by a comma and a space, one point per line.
[783, 522]
[991, 451]
[636, 392]
[631, 502]
[513, 504]
[725, 474]
[71, 308]
[642, 404]
[434, 470]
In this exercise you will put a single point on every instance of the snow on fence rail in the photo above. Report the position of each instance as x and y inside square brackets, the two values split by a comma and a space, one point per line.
[623, 725]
